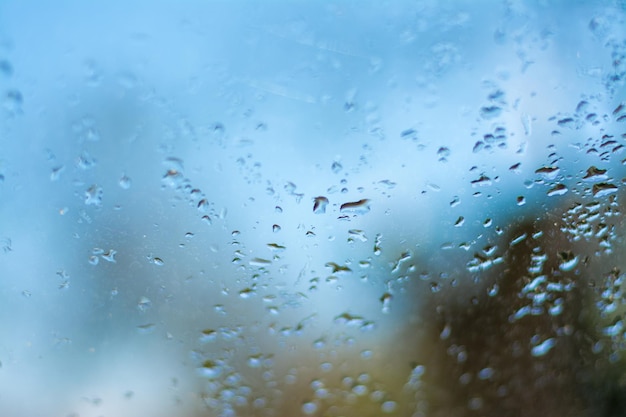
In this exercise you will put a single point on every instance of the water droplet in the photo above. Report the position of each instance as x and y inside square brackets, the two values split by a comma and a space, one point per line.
[146, 328]
[208, 335]
[125, 182]
[275, 247]
[558, 189]
[377, 244]
[459, 222]
[475, 403]
[521, 200]
[247, 293]
[543, 348]
[493, 291]
[173, 178]
[174, 163]
[85, 161]
[614, 330]
[276, 228]
[490, 112]
[13, 101]
[210, 369]
[388, 406]
[356, 207]
[158, 261]
[443, 153]
[548, 172]
[357, 234]
[255, 361]
[527, 124]
[338, 268]
[567, 122]
[93, 195]
[109, 256]
[55, 174]
[144, 304]
[349, 319]
[385, 299]
[203, 205]
[485, 373]
[603, 189]
[515, 167]
[336, 167]
[309, 408]
[595, 174]
[6, 68]
[445, 333]
[319, 205]
[259, 262]
[568, 261]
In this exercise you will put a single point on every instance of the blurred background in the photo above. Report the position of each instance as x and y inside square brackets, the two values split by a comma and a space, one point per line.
[341, 208]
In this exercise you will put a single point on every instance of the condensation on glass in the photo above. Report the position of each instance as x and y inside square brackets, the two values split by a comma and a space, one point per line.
[312, 208]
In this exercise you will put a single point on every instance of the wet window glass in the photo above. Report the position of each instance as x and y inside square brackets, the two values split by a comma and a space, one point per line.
[336, 208]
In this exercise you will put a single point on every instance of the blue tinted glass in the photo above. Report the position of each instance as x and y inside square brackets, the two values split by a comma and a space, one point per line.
[347, 208]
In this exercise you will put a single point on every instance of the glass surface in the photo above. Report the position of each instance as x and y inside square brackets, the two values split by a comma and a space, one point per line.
[324, 208]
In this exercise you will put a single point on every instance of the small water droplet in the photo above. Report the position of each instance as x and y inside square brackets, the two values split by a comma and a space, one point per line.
[55, 174]
[568, 261]
[208, 335]
[158, 261]
[377, 244]
[543, 348]
[109, 256]
[385, 299]
[357, 234]
[490, 112]
[125, 182]
[603, 189]
[93, 195]
[247, 293]
[6, 68]
[548, 172]
[388, 406]
[558, 189]
[85, 161]
[255, 361]
[475, 403]
[259, 262]
[12, 102]
[595, 174]
[319, 205]
[210, 369]
[144, 304]
[146, 328]
[309, 408]
[485, 373]
[567, 122]
[356, 207]
[276, 228]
